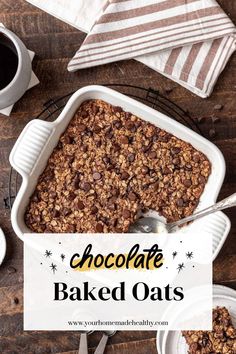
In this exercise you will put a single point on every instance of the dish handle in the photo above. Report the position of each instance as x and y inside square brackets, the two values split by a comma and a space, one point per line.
[29, 146]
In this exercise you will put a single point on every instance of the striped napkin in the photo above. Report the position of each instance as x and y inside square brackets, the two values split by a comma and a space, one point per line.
[190, 41]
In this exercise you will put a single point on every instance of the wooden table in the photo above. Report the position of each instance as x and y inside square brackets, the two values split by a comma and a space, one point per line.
[54, 43]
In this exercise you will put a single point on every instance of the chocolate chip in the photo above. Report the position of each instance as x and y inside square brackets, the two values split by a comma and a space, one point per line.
[132, 196]
[180, 202]
[139, 123]
[152, 154]
[56, 213]
[175, 150]
[164, 138]
[116, 147]
[76, 182]
[128, 115]
[95, 109]
[84, 148]
[117, 170]
[131, 139]
[99, 227]
[88, 132]
[70, 159]
[11, 270]
[145, 170]
[155, 186]
[188, 167]
[126, 214]
[113, 199]
[68, 139]
[226, 322]
[71, 196]
[166, 171]
[66, 211]
[117, 124]
[81, 127]
[187, 182]
[196, 158]
[98, 143]
[59, 145]
[131, 157]
[145, 148]
[176, 161]
[94, 210]
[114, 222]
[124, 139]
[106, 160]
[202, 180]
[86, 186]
[70, 228]
[124, 175]
[117, 109]
[131, 126]
[104, 219]
[97, 176]
[115, 192]
[97, 129]
[80, 205]
[84, 114]
[109, 133]
[205, 341]
[111, 206]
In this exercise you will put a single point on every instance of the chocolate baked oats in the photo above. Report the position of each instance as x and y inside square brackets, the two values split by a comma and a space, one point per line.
[107, 167]
[221, 340]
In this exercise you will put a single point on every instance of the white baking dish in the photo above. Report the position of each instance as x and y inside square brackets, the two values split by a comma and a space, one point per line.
[32, 149]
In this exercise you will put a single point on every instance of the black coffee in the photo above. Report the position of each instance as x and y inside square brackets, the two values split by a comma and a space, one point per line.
[8, 61]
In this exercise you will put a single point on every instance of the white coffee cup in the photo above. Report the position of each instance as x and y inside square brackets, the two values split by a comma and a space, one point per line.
[15, 89]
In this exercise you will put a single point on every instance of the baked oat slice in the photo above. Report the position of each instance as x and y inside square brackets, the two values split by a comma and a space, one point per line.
[221, 340]
[110, 165]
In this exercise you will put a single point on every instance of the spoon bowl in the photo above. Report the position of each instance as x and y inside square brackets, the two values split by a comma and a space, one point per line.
[150, 224]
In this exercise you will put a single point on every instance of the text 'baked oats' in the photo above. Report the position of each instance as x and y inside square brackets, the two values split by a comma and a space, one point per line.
[107, 167]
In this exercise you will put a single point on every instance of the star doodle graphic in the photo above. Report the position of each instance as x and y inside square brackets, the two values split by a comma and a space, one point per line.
[189, 255]
[174, 254]
[53, 267]
[48, 254]
[63, 257]
[180, 267]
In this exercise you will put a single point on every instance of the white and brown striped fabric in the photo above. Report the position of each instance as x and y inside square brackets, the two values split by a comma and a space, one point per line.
[190, 41]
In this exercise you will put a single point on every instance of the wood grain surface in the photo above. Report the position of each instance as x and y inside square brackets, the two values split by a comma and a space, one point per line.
[55, 43]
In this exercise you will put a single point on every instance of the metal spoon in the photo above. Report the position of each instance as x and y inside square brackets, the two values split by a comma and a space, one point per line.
[103, 342]
[150, 224]
[83, 343]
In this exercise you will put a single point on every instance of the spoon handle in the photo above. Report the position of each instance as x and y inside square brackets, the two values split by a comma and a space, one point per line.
[83, 344]
[102, 345]
[223, 204]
